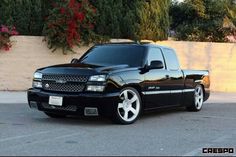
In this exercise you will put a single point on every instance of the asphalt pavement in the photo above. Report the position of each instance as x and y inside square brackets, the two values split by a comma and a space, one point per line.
[168, 132]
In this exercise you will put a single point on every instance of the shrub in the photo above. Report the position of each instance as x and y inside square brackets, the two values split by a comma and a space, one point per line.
[70, 23]
[137, 19]
[203, 20]
[26, 15]
[5, 34]
[154, 20]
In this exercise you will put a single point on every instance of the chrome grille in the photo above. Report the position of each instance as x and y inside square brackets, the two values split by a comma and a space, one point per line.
[67, 87]
[64, 83]
[68, 78]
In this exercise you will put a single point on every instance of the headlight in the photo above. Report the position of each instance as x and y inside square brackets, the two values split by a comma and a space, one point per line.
[37, 80]
[100, 78]
[37, 84]
[38, 76]
[95, 88]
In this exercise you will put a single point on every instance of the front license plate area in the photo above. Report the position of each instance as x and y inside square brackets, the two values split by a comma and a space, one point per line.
[55, 100]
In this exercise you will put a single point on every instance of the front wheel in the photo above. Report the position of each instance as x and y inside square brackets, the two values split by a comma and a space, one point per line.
[128, 110]
[197, 99]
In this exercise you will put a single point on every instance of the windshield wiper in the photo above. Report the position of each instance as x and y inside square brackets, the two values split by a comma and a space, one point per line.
[81, 60]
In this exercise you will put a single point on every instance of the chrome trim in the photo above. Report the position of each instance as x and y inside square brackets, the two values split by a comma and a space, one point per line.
[176, 91]
[168, 91]
[156, 92]
[188, 90]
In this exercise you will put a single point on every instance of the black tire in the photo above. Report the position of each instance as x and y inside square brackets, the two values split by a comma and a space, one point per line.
[197, 100]
[53, 115]
[130, 106]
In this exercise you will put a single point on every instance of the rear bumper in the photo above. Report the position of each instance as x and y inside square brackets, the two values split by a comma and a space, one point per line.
[73, 103]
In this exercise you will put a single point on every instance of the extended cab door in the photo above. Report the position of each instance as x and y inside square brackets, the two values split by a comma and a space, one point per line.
[156, 85]
[176, 78]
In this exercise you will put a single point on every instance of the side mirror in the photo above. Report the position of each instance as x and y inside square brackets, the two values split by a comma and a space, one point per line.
[156, 65]
[74, 60]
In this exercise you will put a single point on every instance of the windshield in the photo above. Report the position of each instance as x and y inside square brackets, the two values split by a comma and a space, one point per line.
[114, 55]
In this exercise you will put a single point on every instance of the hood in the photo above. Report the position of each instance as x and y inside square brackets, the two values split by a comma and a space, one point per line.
[82, 69]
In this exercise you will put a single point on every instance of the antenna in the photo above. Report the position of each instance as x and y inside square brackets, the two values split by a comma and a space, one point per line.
[137, 42]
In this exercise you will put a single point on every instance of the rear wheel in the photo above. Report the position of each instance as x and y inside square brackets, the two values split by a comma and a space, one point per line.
[128, 110]
[53, 115]
[198, 97]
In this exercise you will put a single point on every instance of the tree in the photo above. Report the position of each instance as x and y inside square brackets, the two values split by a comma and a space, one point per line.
[26, 15]
[109, 17]
[139, 19]
[154, 20]
[6, 12]
[203, 20]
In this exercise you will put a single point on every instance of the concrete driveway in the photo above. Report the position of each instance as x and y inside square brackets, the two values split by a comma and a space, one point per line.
[167, 132]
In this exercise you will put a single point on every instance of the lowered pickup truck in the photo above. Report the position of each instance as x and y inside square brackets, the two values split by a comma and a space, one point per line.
[119, 81]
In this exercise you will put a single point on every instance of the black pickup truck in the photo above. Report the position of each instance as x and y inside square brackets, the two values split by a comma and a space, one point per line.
[119, 81]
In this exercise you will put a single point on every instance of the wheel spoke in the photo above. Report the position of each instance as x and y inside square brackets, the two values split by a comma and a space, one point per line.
[198, 91]
[133, 110]
[126, 115]
[125, 94]
[198, 97]
[199, 102]
[134, 98]
[201, 95]
[120, 105]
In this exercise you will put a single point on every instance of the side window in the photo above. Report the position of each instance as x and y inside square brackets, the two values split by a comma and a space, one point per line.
[154, 54]
[172, 62]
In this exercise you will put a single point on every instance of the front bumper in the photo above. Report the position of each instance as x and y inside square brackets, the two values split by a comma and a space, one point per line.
[74, 103]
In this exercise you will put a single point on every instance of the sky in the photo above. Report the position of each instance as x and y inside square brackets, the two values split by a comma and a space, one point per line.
[180, 0]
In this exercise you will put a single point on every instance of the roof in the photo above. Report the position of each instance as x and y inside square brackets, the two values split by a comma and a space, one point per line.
[147, 44]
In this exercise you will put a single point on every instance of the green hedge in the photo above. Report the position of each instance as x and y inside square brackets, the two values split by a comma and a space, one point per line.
[26, 15]
[136, 19]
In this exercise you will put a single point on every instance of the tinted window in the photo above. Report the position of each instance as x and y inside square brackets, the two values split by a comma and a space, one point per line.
[154, 54]
[172, 62]
[115, 55]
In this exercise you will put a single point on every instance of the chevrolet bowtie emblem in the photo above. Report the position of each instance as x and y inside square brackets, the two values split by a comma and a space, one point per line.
[47, 85]
[60, 81]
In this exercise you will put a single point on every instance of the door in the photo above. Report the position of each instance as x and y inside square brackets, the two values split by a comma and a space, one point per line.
[176, 77]
[156, 84]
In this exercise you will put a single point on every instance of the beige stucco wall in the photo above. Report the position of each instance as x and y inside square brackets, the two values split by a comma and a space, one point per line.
[29, 53]
[218, 58]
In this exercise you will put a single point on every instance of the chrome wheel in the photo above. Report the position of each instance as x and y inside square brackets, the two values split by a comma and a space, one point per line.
[128, 110]
[198, 97]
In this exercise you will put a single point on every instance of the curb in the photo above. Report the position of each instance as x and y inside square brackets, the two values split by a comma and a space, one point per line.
[7, 97]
